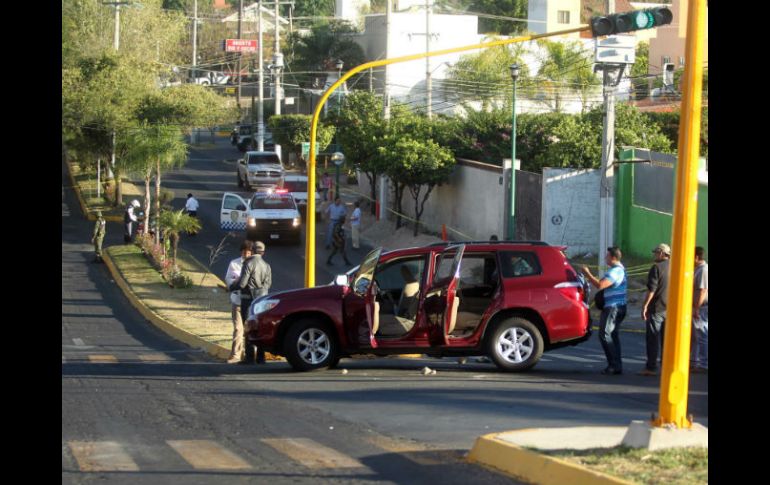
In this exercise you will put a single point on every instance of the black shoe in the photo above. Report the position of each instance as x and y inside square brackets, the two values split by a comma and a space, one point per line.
[611, 371]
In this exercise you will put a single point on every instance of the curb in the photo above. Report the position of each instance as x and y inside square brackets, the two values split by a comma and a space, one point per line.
[169, 328]
[533, 467]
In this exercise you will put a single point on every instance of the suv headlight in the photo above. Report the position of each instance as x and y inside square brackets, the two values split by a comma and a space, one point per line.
[251, 221]
[295, 222]
[262, 306]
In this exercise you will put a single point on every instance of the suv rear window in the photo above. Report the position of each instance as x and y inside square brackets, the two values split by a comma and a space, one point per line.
[273, 201]
[271, 158]
[519, 263]
[295, 185]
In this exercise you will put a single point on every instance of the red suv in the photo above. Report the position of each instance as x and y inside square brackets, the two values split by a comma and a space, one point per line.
[507, 300]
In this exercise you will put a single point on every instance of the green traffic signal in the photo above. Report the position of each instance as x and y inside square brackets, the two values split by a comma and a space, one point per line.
[629, 21]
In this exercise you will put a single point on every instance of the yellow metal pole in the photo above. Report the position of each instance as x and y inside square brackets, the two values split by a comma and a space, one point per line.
[676, 352]
[310, 233]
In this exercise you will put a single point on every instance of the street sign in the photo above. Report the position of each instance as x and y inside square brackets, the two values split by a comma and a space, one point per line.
[616, 49]
[240, 45]
[229, 90]
[306, 149]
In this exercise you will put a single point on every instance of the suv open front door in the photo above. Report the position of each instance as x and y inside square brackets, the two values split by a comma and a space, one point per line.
[233, 214]
[440, 303]
[365, 287]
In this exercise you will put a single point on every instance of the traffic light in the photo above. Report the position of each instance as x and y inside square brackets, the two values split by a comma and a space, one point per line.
[619, 23]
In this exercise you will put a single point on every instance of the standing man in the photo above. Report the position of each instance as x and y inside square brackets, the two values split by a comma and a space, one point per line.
[337, 212]
[191, 206]
[129, 217]
[233, 275]
[355, 225]
[614, 285]
[654, 307]
[100, 228]
[700, 313]
[326, 186]
[255, 281]
[339, 242]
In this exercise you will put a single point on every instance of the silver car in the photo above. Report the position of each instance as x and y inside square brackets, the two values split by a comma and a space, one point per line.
[260, 169]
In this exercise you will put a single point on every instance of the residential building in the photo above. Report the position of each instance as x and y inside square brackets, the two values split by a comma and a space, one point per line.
[553, 15]
[669, 45]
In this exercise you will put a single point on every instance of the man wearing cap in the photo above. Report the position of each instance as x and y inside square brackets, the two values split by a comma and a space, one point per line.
[654, 307]
[255, 281]
[233, 275]
[99, 230]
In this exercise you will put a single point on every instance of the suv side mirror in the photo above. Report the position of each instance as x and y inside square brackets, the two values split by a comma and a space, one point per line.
[241, 207]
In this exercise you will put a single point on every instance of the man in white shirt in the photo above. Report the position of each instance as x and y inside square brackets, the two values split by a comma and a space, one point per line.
[129, 217]
[233, 275]
[191, 206]
[355, 224]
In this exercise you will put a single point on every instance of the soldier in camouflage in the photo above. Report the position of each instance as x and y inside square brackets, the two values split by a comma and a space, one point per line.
[99, 230]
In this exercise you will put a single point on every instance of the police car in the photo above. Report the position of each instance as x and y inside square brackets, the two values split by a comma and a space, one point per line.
[296, 184]
[270, 215]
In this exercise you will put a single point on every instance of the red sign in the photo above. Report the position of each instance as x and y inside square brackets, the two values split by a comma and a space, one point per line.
[240, 45]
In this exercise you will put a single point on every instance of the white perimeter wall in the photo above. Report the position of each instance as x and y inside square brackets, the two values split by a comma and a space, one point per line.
[570, 211]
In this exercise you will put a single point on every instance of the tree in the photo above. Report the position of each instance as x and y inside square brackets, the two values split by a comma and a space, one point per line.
[485, 76]
[640, 70]
[503, 8]
[294, 130]
[174, 224]
[418, 165]
[565, 68]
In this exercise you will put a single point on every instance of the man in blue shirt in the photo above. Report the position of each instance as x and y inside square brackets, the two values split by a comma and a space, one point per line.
[614, 284]
[337, 213]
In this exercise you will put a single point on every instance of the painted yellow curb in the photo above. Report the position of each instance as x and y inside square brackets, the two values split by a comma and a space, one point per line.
[532, 466]
[172, 330]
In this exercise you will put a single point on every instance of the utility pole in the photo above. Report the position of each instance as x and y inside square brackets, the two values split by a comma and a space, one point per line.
[116, 46]
[428, 82]
[386, 107]
[607, 184]
[261, 108]
[240, 54]
[195, 40]
[278, 66]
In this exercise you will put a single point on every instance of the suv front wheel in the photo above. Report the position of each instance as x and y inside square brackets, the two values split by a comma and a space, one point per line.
[309, 345]
[515, 344]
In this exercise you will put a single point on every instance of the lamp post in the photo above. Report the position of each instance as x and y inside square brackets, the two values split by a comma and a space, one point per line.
[339, 66]
[511, 219]
[338, 158]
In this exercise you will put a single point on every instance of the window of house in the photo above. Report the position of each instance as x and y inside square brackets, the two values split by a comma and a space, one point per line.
[563, 16]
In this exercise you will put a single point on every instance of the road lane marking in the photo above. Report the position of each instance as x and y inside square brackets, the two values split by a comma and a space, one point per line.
[312, 454]
[206, 454]
[101, 456]
[79, 342]
[154, 358]
[103, 359]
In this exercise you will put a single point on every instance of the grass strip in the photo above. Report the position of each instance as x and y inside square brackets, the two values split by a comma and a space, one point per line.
[673, 466]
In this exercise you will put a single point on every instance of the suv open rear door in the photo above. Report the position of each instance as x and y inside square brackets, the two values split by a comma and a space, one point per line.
[440, 303]
[232, 217]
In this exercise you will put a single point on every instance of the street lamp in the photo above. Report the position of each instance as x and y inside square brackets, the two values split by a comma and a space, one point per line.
[511, 220]
[338, 158]
[339, 65]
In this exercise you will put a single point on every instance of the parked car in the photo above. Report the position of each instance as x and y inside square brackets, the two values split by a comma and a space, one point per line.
[260, 169]
[246, 138]
[296, 184]
[508, 300]
[211, 78]
[270, 215]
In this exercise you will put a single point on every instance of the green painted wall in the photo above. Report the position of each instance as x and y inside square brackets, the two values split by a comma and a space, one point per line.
[637, 229]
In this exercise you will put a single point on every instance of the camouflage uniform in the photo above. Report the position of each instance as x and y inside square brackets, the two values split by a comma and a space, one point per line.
[99, 230]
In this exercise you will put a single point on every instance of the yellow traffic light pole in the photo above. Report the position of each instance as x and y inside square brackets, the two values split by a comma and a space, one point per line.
[311, 179]
[676, 353]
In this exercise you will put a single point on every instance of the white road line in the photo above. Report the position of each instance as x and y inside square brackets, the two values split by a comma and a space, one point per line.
[101, 456]
[575, 359]
[206, 454]
[312, 454]
[103, 359]
[78, 342]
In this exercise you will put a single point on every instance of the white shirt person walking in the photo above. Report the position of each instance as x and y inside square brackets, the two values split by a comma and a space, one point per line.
[355, 225]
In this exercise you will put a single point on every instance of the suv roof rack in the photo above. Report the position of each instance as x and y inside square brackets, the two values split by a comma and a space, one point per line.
[446, 243]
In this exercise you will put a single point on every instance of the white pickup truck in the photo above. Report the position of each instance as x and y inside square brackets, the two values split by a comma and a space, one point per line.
[260, 169]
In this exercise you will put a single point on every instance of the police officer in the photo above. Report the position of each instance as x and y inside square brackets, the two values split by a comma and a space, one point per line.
[255, 281]
[100, 228]
[129, 217]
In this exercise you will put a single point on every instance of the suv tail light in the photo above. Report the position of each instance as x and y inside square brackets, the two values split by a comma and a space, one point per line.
[572, 290]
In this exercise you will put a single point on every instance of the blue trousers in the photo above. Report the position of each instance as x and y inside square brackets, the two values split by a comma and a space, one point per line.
[609, 334]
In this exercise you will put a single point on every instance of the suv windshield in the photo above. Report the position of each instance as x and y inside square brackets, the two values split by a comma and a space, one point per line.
[273, 201]
[269, 158]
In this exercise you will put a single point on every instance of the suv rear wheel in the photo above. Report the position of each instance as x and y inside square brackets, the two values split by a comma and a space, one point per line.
[309, 345]
[515, 344]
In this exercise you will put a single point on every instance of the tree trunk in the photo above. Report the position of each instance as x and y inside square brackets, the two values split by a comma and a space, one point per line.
[147, 199]
[118, 189]
[373, 185]
[414, 190]
[399, 191]
[418, 214]
[157, 201]
[174, 244]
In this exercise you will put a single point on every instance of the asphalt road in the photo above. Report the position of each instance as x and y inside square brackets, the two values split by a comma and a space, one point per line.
[139, 407]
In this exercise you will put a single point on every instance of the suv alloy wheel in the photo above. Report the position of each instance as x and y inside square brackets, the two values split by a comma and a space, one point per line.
[515, 344]
[309, 345]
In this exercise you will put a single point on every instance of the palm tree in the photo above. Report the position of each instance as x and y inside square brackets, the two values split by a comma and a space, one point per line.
[565, 68]
[174, 223]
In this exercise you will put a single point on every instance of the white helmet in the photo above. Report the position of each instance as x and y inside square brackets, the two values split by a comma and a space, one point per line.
[135, 203]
